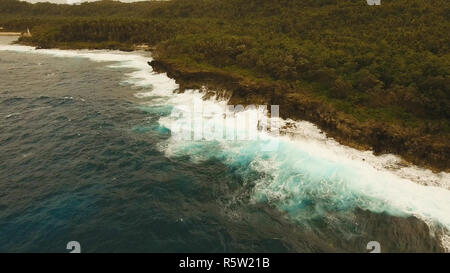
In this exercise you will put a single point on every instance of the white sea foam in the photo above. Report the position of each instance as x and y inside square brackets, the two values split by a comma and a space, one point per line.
[143, 76]
[306, 166]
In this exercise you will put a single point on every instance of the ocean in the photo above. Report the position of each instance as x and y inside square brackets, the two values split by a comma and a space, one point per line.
[90, 151]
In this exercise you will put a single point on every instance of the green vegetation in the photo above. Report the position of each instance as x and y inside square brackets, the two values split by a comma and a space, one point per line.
[387, 63]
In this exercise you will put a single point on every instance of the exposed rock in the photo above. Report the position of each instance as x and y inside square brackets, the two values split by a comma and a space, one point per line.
[413, 146]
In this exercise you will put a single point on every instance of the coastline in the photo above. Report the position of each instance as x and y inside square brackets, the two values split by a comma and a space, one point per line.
[413, 146]
[10, 34]
[412, 224]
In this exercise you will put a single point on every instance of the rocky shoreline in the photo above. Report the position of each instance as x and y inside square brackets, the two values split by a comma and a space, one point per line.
[413, 146]
[397, 234]
[419, 148]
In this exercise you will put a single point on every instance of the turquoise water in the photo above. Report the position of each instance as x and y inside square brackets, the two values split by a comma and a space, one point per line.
[89, 153]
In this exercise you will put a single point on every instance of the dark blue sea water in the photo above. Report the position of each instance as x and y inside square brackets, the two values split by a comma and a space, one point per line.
[86, 155]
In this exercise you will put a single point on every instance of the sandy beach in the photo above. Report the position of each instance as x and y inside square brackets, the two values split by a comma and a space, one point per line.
[10, 33]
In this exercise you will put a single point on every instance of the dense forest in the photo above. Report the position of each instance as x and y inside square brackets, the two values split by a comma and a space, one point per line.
[387, 63]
